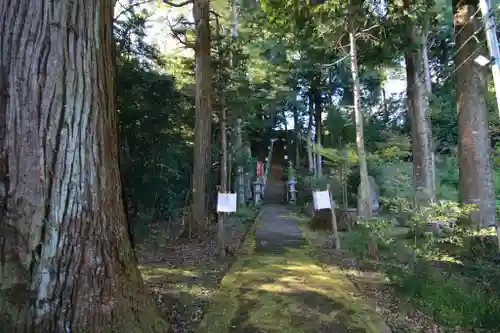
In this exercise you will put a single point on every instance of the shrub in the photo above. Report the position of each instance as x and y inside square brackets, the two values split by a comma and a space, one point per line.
[453, 278]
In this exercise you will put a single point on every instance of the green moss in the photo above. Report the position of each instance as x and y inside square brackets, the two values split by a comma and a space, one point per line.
[287, 293]
[225, 302]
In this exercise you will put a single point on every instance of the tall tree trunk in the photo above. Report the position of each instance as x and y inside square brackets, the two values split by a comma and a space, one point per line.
[203, 117]
[239, 156]
[476, 180]
[310, 153]
[296, 127]
[234, 32]
[318, 113]
[66, 259]
[428, 84]
[365, 203]
[418, 106]
[223, 143]
[229, 164]
[234, 14]
[386, 110]
[223, 175]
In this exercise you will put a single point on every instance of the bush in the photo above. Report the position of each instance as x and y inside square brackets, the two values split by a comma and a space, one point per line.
[449, 302]
[454, 278]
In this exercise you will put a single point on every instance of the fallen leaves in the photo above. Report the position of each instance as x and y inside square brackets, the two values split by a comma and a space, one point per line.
[183, 277]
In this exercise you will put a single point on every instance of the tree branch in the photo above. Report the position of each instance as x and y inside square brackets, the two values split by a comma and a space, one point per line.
[177, 5]
[176, 35]
[129, 8]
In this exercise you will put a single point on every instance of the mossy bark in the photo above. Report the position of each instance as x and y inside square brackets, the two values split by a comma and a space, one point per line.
[66, 259]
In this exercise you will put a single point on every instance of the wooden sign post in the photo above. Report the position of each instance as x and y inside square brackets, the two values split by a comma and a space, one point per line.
[334, 219]
[226, 203]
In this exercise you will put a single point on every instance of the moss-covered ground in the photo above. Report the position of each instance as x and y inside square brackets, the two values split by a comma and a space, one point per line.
[275, 285]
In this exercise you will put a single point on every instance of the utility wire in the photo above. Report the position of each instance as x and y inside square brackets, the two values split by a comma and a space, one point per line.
[469, 19]
[474, 35]
[462, 63]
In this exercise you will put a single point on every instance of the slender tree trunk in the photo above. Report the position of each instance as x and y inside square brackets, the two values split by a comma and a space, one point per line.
[428, 83]
[386, 111]
[365, 203]
[229, 164]
[234, 13]
[66, 259]
[296, 123]
[418, 106]
[223, 142]
[223, 174]
[318, 112]
[285, 125]
[476, 179]
[329, 92]
[239, 155]
[203, 117]
[310, 154]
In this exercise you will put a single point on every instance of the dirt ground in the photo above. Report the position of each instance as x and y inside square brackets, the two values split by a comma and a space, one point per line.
[183, 276]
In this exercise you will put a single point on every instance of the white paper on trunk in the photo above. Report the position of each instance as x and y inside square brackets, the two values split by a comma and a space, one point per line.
[226, 202]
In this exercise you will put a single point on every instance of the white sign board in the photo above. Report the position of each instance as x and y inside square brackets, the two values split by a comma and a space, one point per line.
[226, 202]
[322, 200]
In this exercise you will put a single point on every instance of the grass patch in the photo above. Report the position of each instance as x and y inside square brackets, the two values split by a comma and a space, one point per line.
[451, 279]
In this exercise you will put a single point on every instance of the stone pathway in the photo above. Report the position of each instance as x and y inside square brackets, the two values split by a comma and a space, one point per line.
[276, 287]
[277, 231]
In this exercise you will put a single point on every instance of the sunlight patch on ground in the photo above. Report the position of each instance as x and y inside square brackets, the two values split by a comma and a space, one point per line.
[152, 271]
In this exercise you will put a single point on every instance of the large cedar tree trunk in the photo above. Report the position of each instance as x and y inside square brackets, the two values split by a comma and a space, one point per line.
[66, 260]
[203, 117]
[419, 112]
[476, 179]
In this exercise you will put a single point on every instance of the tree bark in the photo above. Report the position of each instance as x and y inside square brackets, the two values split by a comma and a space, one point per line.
[234, 14]
[223, 173]
[203, 117]
[419, 112]
[296, 127]
[310, 154]
[476, 179]
[66, 260]
[365, 202]
[318, 113]
[223, 146]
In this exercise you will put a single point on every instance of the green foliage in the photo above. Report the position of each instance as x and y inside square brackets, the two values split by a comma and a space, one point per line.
[380, 230]
[290, 173]
[156, 128]
[452, 278]
[449, 302]
[496, 172]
